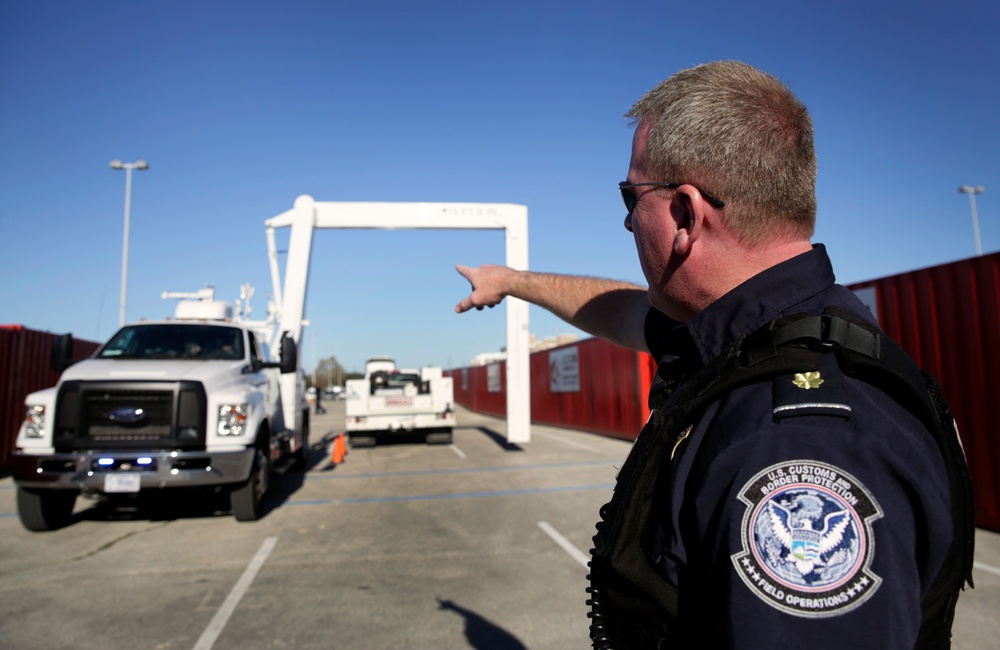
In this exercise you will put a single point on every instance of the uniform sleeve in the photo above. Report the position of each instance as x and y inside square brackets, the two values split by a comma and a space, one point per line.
[820, 527]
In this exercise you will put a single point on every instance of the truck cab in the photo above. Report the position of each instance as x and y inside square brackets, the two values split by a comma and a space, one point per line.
[190, 402]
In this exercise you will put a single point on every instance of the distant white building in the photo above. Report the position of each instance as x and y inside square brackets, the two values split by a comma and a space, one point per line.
[550, 342]
[535, 345]
[486, 358]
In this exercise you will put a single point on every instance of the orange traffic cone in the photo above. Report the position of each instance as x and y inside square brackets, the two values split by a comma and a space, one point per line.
[339, 450]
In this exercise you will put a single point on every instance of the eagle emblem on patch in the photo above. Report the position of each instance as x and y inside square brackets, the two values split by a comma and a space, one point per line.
[807, 539]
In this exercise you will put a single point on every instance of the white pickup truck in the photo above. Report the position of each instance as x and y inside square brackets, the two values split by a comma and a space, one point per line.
[394, 401]
[189, 402]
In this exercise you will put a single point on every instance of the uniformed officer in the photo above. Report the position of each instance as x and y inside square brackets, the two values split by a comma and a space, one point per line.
[811, 509]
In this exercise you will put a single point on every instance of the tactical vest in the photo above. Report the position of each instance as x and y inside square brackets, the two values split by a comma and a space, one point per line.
[632, 606]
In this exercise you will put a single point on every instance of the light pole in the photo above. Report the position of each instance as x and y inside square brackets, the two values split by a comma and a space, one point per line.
[972, 192]
[128, 167]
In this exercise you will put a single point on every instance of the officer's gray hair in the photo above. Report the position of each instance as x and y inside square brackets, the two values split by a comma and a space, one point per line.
[740, 135]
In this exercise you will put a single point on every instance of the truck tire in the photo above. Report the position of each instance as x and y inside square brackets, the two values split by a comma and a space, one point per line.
[247, 499]
[301, 462]
[42, 510]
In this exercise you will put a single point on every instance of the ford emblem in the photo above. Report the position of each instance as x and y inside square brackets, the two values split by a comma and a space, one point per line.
[127, 415]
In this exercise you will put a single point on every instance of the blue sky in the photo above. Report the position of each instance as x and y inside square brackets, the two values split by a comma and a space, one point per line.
[240, 107]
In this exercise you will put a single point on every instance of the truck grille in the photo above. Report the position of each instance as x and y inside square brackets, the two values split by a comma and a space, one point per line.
[130, 415]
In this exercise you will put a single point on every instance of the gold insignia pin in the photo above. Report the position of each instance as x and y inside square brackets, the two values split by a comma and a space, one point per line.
[807, 380]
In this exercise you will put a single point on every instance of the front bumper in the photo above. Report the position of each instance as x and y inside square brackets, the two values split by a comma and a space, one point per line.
[89, 471]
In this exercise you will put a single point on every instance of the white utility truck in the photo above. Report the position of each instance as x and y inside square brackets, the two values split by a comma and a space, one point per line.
[393, 401]
[192, 402]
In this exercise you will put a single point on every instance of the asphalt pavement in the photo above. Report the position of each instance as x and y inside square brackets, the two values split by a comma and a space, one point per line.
[479, 544]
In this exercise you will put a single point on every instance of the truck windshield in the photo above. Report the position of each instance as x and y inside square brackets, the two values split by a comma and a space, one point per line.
[175, 341]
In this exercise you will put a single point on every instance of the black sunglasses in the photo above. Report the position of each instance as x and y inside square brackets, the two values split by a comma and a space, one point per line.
[631, 198]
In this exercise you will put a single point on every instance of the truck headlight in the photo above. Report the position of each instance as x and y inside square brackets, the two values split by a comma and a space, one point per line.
[34, 421]
[232, 419]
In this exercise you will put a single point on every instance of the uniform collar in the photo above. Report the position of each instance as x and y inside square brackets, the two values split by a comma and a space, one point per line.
[756, 302]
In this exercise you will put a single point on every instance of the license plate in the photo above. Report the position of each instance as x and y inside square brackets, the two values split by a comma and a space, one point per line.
[121, 483]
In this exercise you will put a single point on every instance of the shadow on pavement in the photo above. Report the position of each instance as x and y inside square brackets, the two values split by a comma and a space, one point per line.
[162, 505]
[499, 439]
[480, 632]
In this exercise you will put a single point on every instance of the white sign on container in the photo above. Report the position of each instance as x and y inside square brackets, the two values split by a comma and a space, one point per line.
[564, 370]
[493, 378]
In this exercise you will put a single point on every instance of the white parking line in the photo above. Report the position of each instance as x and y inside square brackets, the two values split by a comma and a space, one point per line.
[573, 551]
[565, 441]
[458, 452]
[218, 622]
[987, 568]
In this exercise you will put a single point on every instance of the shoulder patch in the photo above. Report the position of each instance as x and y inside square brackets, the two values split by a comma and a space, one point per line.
[807, 539]
[811, 392]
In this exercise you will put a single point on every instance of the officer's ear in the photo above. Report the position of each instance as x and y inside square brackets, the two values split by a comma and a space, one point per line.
[687, 207]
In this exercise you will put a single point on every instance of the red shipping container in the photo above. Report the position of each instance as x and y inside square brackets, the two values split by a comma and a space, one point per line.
[947, 318]
[606, 392]
[482, 389]
[608, 395]
[25, 366]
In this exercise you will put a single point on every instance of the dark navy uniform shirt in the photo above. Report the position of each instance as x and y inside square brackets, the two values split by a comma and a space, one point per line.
[809, 511]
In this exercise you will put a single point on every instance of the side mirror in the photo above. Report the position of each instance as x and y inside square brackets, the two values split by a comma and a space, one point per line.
[62, 352]
[289, 355]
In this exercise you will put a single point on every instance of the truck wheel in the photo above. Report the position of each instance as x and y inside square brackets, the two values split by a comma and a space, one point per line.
[42, 510]
[302, 455]
[247, 499]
